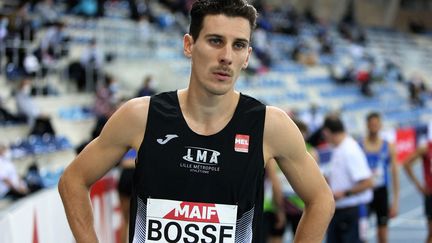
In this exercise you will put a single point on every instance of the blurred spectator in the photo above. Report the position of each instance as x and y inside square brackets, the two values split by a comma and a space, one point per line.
[139, 9]
[20, 32]
[39, 122]
[416, 88]
[11, 185]
[326, 46]
[88, 71]
[47, 12]
[144, 29]
[343, 73]
[261, 47]
[147, 87]
[364, 79]
[92, 55]
[393, 72]
[7, 116]
[92, 59]
[53, 44]
[24, 102]
[313, 117]
[106, 99]
[349, 178]
[20, 23]
[304, 52]
[33, 178]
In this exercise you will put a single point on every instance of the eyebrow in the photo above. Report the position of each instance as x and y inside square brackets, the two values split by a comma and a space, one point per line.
[246, 41]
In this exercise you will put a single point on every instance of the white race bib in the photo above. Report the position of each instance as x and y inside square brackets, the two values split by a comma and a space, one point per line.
[177, 221]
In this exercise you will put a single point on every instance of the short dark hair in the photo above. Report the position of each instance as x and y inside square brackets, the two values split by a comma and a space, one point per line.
[371, 115]
[334, 124]
[230, 8]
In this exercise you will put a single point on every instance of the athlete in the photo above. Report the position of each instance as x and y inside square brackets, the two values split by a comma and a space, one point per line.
[424, 152]
[201, 150]
[381, 158]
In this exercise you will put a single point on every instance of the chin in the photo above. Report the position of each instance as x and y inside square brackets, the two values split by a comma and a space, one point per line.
[218, 91]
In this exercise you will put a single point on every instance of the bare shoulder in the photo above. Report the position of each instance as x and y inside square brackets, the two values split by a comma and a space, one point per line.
[128, 123]
[133, 112]
[281, 135]
[277, 119]
[136, 107]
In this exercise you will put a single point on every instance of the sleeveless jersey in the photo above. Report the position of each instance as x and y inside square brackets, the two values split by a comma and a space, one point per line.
[427, 166]
[379, 162]
[195, 188]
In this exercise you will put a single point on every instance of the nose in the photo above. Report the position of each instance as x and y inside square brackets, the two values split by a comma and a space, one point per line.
[225, 56]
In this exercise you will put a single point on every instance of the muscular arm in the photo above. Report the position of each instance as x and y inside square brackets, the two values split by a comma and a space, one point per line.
[395, 182]
[408, 164]
[284, 143]
[124, 129]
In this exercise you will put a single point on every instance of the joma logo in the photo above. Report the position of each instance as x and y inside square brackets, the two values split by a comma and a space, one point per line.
[201, 156]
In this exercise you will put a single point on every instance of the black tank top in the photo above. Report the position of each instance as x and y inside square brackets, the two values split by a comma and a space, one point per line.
[186, 185]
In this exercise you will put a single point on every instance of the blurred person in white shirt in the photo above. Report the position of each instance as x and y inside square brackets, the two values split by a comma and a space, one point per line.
[350, 179]
[11, 185]
[25, 104]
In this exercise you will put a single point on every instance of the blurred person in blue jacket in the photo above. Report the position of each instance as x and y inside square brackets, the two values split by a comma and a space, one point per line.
[147, 87]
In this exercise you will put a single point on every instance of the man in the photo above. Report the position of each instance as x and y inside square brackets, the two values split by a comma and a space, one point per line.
[350, 180]
[381, 158]
[424, 152]
[201, 150]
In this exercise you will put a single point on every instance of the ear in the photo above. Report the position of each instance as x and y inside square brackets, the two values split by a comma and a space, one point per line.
[245, 64]
[188, 45]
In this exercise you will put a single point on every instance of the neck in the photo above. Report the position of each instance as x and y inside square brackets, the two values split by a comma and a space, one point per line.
[373, 137]
[338, 138]
[207, 114]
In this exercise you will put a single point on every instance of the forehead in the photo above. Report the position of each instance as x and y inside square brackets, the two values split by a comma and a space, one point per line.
[229, 27]
[374, 119]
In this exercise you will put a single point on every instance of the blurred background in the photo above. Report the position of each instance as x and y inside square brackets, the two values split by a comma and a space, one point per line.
[65, 67]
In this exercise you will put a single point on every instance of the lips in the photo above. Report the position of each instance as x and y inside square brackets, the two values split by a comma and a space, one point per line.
[222, 75]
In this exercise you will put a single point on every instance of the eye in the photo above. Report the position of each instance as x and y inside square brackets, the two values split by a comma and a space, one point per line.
[215, 41]
[240, 45]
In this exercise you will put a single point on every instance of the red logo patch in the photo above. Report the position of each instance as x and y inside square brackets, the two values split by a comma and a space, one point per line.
[196, 212]
[241, 143]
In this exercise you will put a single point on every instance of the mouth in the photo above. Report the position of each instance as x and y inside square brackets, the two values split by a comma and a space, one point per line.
[221, 75]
